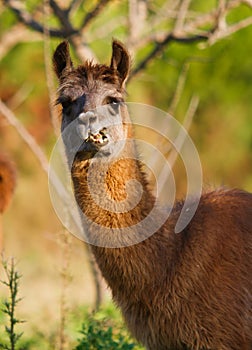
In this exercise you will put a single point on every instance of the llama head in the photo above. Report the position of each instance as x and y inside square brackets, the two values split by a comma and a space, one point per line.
[92, 96]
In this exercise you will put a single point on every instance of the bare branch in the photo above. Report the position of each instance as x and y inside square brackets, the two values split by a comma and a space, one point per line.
[169, 10]
[15, 35]
[235, 3]
[28, 20]
[48, 69]
[172, 109]
[211, 18]
[26, 136]
[182, 15]
[165, 10]
[179, 142]
[82, 49]
[179, 88]
[159, 46]
[62, 15]
[108, 28]
[190, 32]
[20, 96]
[74, 4]
[137, 18]
[94, 13]
[66, 277]
[227, 31]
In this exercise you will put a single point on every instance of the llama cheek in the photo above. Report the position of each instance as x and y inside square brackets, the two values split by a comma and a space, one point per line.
[82, 131]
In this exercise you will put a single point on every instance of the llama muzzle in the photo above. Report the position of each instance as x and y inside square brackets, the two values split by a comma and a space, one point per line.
[93, 144]
[99, 139]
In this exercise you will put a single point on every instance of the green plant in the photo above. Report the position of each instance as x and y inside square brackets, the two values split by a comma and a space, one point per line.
[10, 304]
[101, 335]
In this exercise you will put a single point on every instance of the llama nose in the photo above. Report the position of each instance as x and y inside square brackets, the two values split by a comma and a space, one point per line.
[87, 118]
[88, 124]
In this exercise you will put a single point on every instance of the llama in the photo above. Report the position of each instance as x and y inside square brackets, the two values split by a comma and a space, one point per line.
[190, 290]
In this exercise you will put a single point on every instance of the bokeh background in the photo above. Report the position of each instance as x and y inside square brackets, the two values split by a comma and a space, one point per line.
[192, 59]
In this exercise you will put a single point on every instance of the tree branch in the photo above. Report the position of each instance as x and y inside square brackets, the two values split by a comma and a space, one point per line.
[73, 5]
[48, 69]
[62, 15]
[26, 136]
[18, 33]
[137, 15]
[228, 30]
[160, 45]
[190, 32]
[94, 13]
[27, 19]
[179, 142]
[182, 15]
[179, 88]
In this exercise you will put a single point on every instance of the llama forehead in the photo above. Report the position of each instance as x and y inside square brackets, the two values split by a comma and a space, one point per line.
[99, 72]
[90, 79]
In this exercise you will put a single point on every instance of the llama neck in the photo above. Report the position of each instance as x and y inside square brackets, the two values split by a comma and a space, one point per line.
[118, 265]
[121, 267]
[112, 194]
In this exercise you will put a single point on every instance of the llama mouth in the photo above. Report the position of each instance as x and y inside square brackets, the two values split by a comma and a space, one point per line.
[99, 139]
[94, 144]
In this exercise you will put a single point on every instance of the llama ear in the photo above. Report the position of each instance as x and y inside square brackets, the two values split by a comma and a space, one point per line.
[120, 60]
[62, 59]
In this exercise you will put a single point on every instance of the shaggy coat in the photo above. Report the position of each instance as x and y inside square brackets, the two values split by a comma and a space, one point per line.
[191, 290]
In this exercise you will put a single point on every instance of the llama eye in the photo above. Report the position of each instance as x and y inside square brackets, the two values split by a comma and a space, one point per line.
[113, 104]
[113, 100]
[74, 106]
[63, 101]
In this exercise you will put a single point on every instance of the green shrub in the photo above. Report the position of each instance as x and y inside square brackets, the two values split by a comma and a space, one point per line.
[101, 335]
[10, 304]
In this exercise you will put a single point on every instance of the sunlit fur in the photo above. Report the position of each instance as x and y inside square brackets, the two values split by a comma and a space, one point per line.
[190, 290]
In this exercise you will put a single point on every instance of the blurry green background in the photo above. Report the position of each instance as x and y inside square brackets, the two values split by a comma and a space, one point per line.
[220, 75]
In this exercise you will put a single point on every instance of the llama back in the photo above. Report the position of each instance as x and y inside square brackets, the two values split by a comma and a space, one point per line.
[217, 272]
[199, 295]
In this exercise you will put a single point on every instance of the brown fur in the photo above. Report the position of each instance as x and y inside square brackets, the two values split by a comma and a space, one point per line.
[190, 290]
[7, 185]
[7, 182]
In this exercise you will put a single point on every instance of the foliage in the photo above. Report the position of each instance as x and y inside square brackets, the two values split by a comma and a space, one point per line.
[9, 305]
[103, 330]
[103, 335]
